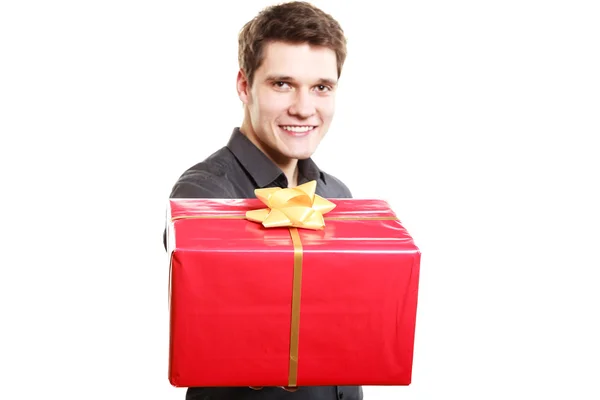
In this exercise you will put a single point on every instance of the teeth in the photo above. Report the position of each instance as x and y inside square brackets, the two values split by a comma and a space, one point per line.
[298, 128]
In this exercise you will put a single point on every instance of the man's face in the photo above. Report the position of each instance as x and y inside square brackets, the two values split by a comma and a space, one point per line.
[292, 99]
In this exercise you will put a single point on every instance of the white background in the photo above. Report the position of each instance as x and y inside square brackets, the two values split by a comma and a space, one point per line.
[476, 120]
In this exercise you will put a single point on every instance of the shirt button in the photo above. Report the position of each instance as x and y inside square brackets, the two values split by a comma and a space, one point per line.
[341, 395]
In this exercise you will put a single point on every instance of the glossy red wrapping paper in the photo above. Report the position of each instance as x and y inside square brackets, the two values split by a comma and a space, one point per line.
[230, 297]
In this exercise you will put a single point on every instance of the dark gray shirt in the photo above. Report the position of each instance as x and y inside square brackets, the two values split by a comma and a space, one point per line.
[234, 171]
[237, 169]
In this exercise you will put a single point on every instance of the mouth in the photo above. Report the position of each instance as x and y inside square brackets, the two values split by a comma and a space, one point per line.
[298, 130]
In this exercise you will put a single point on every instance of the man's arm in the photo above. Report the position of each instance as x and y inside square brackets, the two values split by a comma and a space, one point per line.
[338, 189]
[202, 185]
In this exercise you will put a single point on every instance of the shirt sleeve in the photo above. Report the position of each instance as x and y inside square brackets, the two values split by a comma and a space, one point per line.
[341, 190]
[200, 184]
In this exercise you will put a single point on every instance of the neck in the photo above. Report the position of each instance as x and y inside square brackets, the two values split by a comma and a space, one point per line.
[291, 173]
[289, 166]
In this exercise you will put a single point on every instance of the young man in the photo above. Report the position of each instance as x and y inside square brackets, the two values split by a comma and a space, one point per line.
[291, 58]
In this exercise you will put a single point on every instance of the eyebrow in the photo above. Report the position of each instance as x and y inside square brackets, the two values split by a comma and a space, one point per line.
[285, 78]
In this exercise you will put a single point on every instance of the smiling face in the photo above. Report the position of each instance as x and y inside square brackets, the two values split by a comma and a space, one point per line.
[290, 105]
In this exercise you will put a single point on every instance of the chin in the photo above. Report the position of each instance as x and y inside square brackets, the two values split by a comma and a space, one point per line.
[300, 155]
[297, 150]
[291, 152]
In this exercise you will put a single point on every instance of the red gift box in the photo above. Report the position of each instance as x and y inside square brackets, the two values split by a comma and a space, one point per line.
[256, 306]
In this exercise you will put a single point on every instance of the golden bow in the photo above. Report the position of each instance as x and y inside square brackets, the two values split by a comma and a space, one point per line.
[297, 207]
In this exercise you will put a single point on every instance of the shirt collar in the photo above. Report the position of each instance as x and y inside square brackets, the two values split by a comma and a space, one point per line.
[261, 168]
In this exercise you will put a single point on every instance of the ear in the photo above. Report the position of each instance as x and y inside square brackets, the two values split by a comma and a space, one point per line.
[243, 88]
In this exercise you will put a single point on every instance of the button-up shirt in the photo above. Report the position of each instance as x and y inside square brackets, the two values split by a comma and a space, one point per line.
[235, 171]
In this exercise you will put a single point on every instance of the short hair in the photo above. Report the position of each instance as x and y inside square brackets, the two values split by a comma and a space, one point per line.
[293, 22]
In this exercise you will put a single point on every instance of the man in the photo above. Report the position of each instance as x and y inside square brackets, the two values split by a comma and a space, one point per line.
[291, 58]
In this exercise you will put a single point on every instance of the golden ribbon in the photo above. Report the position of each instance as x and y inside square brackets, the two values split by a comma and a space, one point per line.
[296, 291]
[297, 207]
[294, 208]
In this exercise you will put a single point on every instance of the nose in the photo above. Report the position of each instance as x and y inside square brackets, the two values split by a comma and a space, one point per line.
[303, 105]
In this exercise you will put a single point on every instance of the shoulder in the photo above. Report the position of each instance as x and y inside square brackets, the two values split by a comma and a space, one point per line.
[335, 187]
[206, 179]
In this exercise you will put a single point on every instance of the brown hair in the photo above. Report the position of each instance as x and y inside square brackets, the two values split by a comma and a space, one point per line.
[293, 22]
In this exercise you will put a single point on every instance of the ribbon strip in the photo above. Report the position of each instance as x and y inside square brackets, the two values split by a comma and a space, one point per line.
[296, 293]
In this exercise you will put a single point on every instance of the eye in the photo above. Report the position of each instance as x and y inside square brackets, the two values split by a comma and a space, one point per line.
[281, 84]
[323, 88]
